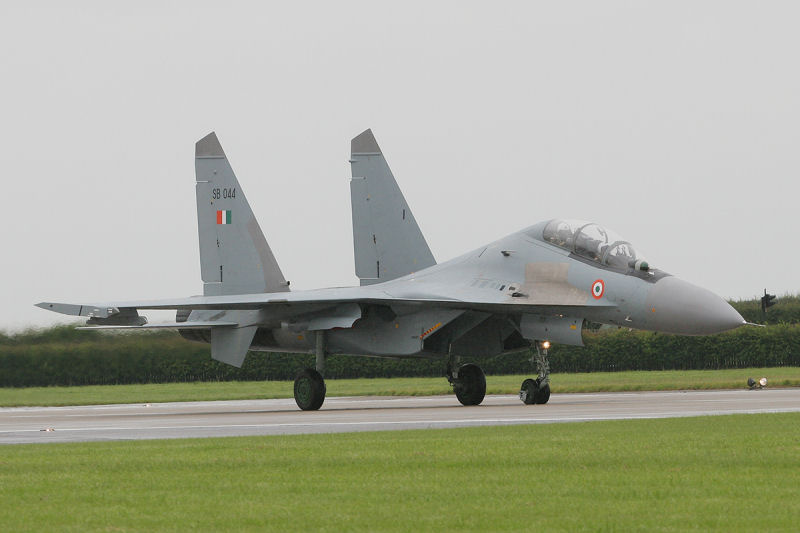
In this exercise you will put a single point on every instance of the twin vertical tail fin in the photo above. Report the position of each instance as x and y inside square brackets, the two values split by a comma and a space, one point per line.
[387, 241]
[234, 255]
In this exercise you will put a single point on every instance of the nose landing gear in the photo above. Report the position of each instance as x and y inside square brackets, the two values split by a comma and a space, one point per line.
[537, 391]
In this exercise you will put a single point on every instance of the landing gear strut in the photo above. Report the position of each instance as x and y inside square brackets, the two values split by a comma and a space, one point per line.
[309, 386]
[469, 382]
[537, 391]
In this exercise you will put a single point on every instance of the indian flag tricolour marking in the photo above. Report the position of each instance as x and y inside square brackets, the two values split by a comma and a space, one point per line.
[224, 217]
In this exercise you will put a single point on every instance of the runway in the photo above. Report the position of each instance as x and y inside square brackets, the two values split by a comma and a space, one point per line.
[281, 417]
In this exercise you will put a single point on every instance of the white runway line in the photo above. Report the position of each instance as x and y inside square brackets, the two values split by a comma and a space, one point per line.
[277, 417]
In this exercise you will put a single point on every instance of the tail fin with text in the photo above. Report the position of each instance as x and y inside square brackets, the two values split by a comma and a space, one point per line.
[234, 255]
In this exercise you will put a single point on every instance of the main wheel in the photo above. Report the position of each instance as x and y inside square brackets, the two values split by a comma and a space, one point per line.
[470, 386]
[542, 395]
[309, 390]
[528, 391]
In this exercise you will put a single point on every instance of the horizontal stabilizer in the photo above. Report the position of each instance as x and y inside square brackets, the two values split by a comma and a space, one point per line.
[230, 345]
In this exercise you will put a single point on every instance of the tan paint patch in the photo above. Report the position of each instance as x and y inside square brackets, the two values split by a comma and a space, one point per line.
[546, 284]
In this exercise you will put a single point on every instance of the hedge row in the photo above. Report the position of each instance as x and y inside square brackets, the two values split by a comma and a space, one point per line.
[63, 356]
[786, 310]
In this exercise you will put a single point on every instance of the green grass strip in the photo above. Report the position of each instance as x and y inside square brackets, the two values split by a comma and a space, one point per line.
[724, 473]
[241, 390]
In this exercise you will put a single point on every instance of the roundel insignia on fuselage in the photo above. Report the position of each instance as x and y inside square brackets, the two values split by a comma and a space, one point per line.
[598, 288]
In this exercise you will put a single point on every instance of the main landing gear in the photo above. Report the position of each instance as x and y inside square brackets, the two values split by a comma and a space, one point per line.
[537, 391]
[309, 390]
[309, 386]
[468, 381]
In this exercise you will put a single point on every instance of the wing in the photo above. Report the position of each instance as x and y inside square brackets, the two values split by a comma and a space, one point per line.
[125, 313]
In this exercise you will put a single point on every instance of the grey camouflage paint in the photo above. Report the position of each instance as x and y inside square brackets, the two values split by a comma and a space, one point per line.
[497, 298]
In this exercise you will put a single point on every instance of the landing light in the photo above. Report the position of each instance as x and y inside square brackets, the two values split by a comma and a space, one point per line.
[545, 345]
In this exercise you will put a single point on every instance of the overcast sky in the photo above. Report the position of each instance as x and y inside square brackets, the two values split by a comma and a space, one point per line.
[674, 123]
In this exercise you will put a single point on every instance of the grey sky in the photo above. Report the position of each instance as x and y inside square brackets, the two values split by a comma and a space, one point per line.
[674, 123]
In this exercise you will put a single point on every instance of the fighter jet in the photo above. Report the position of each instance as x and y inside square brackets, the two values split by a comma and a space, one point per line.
[523, 291]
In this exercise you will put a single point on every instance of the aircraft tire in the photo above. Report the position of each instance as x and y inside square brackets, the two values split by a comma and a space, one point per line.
[309, 390]
[530, 388]
[470, 387]
[542, 395]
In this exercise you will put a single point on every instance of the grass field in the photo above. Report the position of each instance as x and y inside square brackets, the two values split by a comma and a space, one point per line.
[725, 473]
[590, 382]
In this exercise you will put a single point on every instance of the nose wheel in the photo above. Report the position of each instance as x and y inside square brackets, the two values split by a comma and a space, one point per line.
[532, 392]
[537, 391]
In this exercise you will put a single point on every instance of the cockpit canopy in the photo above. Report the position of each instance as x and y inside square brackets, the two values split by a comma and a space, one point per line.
[591, 241]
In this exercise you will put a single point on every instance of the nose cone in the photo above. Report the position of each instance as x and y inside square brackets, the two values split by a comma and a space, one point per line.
[676, 306]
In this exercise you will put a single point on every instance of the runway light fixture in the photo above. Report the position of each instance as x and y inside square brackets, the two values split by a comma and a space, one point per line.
[753, 384]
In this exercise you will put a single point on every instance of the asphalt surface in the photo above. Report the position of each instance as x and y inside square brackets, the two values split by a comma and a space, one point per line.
[281, 417]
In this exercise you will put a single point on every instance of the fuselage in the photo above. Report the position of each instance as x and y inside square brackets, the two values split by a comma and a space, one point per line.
[523, 281]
